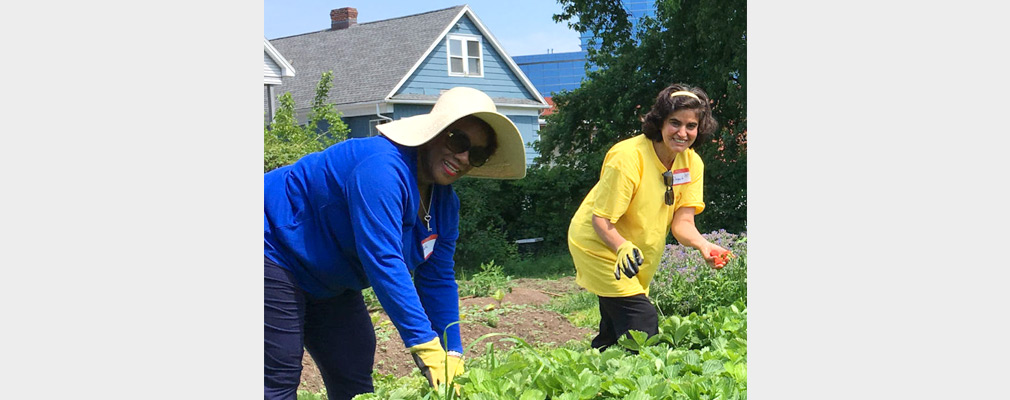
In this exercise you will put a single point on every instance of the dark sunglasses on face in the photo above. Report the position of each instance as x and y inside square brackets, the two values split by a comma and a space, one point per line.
[459, 142]
[668, 181]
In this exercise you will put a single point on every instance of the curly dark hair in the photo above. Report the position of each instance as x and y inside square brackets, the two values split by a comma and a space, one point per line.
[652, 124]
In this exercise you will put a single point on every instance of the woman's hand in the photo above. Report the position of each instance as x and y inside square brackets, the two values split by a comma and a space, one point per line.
[715, 255]
[686, 233]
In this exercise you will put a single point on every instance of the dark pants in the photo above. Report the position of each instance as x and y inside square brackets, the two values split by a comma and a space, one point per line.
[618, 315]
[336, 331]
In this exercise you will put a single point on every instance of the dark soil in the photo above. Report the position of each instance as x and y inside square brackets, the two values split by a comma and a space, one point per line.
[521, 312]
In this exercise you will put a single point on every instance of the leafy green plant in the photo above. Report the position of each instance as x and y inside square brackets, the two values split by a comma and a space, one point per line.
[285, 140]
[484, 283]
[693, 357]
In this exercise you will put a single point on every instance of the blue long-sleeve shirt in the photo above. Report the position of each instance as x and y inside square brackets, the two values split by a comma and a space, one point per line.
[346, 218]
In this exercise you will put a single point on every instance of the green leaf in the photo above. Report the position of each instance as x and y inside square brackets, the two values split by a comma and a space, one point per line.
[568, 396]
[533, 394]
[737, 371]
[638, 395]
[672, 371]
[681, 332]
[712, 367]
[692, 358]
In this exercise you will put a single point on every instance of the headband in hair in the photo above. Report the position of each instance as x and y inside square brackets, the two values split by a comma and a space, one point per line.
[685, 93]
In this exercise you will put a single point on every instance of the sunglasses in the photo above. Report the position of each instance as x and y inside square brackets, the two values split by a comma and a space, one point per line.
[668, 181]
[459, 142]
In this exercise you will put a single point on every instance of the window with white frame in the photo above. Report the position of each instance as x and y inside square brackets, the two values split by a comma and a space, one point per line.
[465, 56]
[373, 123]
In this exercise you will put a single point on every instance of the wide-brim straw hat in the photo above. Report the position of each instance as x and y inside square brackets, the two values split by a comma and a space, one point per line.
[507, 162]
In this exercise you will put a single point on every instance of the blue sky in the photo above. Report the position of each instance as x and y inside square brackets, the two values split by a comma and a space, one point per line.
[522, 27]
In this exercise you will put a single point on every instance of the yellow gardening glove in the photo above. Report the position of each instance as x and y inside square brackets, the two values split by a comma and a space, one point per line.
[432, 361]
[629, 258]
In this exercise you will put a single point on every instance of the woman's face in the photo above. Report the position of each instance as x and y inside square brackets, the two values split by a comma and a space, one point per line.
[439, 164]
[680, 129]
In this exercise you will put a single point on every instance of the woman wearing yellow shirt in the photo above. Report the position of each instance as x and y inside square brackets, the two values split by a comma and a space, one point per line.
[647, 183]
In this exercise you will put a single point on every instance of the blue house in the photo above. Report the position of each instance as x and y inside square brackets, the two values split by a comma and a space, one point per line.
[396, 68]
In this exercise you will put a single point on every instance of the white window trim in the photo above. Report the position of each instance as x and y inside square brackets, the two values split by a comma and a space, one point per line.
[466, 56]
[372, 123]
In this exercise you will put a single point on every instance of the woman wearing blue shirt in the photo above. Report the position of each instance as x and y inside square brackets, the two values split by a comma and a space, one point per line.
[379, 212]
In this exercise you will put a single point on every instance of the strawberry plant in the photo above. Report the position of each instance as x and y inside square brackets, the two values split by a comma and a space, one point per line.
[693, 357]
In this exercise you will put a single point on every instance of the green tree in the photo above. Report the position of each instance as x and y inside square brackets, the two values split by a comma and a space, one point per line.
[285, 141]
[483, 231]
[700, 43]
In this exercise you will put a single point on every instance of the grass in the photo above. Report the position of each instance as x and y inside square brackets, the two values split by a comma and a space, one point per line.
[542, 266]
[581, 309]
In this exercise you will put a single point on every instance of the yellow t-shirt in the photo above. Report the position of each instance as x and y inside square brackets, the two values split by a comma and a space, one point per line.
[630, 193]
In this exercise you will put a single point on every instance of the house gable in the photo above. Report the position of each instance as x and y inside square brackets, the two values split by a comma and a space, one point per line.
[274, 65]
[500, 78]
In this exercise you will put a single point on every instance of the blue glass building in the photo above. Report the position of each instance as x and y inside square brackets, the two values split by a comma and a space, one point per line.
[554, 72]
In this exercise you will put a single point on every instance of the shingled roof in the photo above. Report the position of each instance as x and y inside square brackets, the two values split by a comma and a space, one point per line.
[368, 60]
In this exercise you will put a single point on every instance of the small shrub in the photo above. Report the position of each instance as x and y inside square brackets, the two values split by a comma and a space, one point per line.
[285, 140]
[484, 283]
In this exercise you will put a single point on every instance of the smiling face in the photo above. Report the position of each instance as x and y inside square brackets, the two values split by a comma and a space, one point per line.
[439, 164]
[680, 129]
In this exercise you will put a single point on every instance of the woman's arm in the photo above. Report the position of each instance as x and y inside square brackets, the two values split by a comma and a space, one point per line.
[608, 232]
[687, 234]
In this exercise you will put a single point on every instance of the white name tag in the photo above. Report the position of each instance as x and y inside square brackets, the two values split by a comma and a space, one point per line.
[681, 176]
[428, 245]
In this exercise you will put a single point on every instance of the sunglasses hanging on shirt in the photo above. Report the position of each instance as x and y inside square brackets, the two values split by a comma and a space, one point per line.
[668, 181]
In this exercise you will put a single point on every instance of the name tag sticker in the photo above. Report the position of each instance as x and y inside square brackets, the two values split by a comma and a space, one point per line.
[428, 245]
[681, 176]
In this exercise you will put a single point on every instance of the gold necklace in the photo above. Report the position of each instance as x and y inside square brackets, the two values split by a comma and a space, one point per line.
[427, 215]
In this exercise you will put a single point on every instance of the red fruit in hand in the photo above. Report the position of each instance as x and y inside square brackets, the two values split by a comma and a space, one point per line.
[720, 259]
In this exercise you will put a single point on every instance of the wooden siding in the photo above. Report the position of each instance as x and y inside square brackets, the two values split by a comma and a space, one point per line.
[271, 71]
[432, 76]
[529, 128]
[358, 125]
[410, 110]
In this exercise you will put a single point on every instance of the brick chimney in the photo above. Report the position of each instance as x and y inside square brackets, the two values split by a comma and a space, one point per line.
[343, 18]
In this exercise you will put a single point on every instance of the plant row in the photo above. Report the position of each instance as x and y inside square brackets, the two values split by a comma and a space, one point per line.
[693, 357]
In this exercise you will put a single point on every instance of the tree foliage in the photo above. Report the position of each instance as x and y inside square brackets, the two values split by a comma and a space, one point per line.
[285, 141]
[700, 43]
[485, 206]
